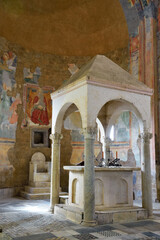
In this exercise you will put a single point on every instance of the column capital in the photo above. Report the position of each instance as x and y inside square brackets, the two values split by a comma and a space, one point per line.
[145, 136]
[56, 137]
[89, 132]
[107, 141]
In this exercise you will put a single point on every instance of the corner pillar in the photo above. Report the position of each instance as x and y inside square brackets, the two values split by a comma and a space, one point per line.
[55, 170]
[89, 177]
[146, 171]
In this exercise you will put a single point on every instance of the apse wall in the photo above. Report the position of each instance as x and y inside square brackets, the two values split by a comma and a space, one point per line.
[26, 81]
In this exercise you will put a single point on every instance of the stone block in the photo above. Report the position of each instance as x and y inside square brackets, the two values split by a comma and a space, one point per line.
[127, 216]
[71, 216]
[79, 217]
[142, 214]
[104, 218]
[59, 210]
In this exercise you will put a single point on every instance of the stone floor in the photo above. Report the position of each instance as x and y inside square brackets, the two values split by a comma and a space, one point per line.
[30, 220]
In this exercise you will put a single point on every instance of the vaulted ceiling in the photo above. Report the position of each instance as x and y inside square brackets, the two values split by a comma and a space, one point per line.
[65, 27]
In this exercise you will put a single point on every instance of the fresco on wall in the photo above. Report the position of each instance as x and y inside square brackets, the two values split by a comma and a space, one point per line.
[149, 71]
[134, 56]
[143, 32]
[132, 2]
[158, 48]
[122, 127]
[126, 131]
[37, 105]
[77, 143]
[144, 64]
[134, 139]
[140, 5]
[31, 77]
[8, 115]
[8, 64]
[159, 19]
[8, 104]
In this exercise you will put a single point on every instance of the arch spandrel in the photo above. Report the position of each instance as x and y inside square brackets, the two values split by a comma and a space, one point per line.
[98, 96]
[117, 110]
[61, 103]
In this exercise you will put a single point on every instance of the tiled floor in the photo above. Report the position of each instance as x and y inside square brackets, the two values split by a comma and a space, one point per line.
[30, 220]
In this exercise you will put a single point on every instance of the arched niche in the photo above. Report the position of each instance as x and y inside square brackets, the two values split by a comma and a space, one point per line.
[128, 151]
[111, 112]
[75, 191]
[64, 159]
[61, 114]
[122, 194]
[112, 109]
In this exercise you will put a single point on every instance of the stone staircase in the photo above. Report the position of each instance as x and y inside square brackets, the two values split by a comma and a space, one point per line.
[40, 191]
[37, 190]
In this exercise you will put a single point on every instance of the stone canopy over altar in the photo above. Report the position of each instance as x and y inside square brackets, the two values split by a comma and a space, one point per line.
[97, 83]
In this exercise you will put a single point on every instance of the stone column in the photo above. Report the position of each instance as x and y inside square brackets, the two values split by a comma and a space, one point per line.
[146, 171]
[89, 177]
[55, 170]
[107, 143]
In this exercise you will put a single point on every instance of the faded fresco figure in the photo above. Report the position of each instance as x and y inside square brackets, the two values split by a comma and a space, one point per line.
[8, 104]
[8, 66]
[8, 115]
[32, 76]
[39, 113]
[5, 103]
[13, 109]
[37, 105]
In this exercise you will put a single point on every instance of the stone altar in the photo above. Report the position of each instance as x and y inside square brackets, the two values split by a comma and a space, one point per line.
[113, 186]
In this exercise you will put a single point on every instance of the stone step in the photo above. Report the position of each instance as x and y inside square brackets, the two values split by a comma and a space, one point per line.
[63, 193]
[115, 215]
[37, 196]
[38, 193]
[37, 189]
[70, 212]
[39, 184]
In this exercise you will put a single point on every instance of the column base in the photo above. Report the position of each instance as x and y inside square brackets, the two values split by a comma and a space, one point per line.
[51, 209]
[89, 223]
[150, 213]
[53, 202]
